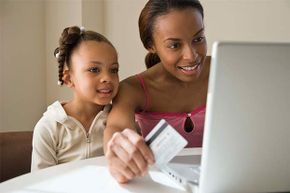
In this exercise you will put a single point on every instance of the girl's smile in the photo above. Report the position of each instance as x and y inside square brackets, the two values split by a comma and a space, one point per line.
[105, 92]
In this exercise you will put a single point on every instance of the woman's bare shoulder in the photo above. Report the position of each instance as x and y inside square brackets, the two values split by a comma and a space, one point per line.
[130, 92]
[131, 84]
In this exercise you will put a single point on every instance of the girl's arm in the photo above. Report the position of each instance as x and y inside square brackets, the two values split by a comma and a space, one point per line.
[43, 147]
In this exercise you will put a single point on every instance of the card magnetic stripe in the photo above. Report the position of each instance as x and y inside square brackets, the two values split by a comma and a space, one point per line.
[149, 141]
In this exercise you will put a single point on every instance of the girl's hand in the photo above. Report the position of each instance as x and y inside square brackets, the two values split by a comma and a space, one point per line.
[128, 155]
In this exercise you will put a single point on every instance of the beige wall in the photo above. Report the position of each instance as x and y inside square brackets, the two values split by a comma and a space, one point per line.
[29, 31]
[1, 66]
[58, 15]
[29, 34]
[240, 20]
[93, 12]
[247, 20]
[122, 29]
[22, 64]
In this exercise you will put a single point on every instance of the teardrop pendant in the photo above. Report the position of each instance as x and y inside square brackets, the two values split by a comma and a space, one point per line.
[188, 125]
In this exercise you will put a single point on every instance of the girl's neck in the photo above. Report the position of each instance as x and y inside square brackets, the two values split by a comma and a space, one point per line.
[83, 112]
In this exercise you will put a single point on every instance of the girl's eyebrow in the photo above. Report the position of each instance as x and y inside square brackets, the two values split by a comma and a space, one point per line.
[95, 62]
[100, 63]
[176, 39]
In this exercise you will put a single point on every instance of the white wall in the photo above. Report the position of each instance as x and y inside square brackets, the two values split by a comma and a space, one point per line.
[58, 15]
[239, 20]
[93, 12]
[29, 31]
[61, 14]
[1, 70]
[121, 28]
[22, 64]
[247, 20]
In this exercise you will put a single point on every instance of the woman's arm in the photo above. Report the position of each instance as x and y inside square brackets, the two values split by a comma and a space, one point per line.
[122, 114]
[127, 154]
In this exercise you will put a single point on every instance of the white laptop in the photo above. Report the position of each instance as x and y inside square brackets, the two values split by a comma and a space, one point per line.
[246, 145]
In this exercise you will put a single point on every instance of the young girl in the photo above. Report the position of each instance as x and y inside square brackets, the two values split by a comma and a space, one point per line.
[73, 130]
[174, 86]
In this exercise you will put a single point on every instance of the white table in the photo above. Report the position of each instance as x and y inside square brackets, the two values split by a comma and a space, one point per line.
[90, 176]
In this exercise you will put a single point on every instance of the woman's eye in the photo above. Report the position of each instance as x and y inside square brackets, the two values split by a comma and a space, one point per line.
[174, 45]
[199, 39]
[115, 70]
[94, 70]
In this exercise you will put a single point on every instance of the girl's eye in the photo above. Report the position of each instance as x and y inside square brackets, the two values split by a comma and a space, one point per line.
[115, 70]
[94, 70]
[174, 45]
[199, 39]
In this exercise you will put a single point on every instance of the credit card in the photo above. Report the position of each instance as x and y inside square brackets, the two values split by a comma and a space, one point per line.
[165, 143]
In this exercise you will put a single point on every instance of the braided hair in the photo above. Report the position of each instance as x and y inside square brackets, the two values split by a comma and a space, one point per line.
[70, 38]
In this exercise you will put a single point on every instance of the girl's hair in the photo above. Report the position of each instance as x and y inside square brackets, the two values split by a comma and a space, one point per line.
[70, 39]
[154, 9]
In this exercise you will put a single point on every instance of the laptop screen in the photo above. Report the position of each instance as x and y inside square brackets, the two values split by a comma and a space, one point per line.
[246, 137]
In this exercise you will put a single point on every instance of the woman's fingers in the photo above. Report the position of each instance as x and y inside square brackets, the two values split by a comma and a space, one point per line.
[119, 177]
[128, 155]
[133, 152]
[128, 152]
[140, 144]
[122, 154]
[118, 168]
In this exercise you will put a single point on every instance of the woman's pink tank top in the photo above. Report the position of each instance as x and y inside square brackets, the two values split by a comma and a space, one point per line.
[147, 120]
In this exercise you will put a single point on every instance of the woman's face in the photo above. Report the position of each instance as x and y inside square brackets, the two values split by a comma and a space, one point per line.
[179, 41]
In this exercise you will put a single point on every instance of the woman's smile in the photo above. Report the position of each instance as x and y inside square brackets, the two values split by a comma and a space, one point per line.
[190, 69]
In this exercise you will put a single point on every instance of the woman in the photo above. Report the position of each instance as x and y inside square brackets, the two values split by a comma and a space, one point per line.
[174, 86]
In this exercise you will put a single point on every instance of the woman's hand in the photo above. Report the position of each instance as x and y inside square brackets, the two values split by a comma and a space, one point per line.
[128, 156]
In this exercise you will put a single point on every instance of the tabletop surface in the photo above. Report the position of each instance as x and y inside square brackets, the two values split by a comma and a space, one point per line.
[90, 176]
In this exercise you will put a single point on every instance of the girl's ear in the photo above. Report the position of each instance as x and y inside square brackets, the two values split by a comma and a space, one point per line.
[67, 79]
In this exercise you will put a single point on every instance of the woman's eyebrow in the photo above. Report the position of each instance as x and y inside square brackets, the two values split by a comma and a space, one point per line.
[177, 39]
[198, 32]
[115, 64]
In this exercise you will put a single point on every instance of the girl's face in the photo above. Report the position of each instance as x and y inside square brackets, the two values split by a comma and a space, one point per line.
[94, 72]
[180, 43]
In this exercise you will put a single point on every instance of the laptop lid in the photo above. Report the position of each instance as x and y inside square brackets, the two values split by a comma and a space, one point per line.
[246, 146]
